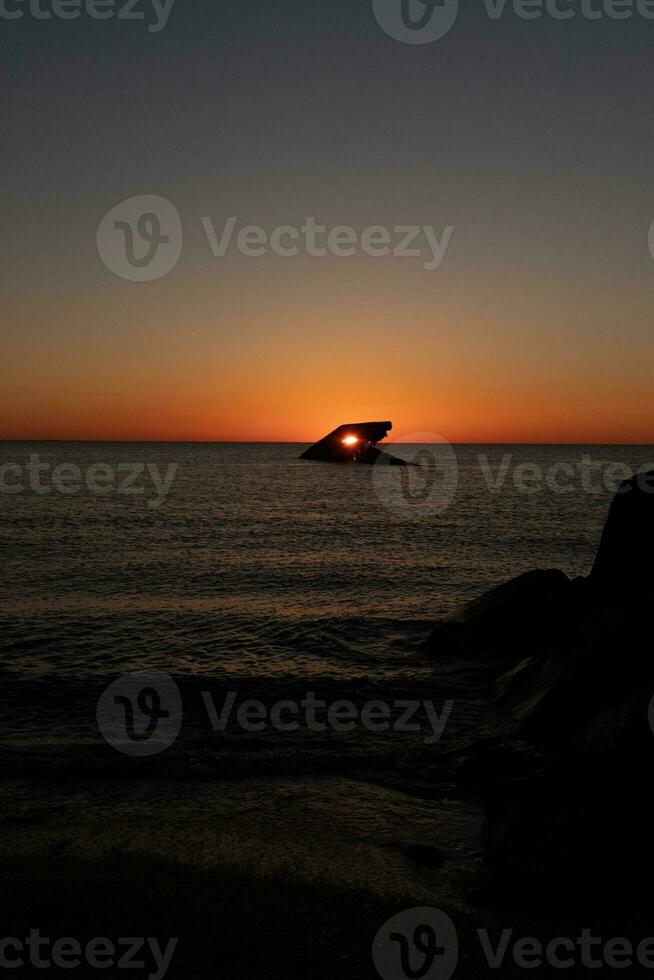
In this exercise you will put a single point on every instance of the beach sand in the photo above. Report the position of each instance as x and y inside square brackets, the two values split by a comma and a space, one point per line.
[258, 877]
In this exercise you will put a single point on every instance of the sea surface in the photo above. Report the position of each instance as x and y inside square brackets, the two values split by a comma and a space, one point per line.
[257, 572]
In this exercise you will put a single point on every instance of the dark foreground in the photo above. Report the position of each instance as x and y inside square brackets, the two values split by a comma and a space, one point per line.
[292, 875]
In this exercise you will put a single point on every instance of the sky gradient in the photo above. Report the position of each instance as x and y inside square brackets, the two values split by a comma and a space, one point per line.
[532, 138]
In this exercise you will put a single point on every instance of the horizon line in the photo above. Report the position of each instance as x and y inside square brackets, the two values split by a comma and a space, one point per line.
[302, 442]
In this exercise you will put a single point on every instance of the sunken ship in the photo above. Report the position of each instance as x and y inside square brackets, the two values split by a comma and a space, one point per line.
[355, 442]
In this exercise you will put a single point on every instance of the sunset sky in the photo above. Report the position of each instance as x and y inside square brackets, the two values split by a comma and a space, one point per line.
[532, 138]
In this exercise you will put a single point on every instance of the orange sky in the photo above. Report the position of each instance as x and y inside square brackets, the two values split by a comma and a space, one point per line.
[301, 386]
[277, 352]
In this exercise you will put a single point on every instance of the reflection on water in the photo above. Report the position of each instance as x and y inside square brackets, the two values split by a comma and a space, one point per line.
[261, 566]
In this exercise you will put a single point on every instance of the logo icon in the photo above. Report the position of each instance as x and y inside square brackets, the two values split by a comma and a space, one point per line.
[141, 238]
[416, 21]
[424, 488]
[417, 944]
[140, 713]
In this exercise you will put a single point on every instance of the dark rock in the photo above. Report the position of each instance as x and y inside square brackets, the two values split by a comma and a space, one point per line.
[511, 620]
[425, 854]
[568, 793]
[574, 836]
[494, 763]
[623, 566]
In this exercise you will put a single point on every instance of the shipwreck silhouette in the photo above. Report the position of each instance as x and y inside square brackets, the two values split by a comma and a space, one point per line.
[355, 442]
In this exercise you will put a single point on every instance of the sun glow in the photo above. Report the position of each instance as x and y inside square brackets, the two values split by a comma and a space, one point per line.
[350, 440]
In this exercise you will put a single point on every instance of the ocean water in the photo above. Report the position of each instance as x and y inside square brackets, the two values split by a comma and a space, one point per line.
[257, 571]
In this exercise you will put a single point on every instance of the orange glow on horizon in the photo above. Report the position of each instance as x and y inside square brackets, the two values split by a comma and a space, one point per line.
[279, 379]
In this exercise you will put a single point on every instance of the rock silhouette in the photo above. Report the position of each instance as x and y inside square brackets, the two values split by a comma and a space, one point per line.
[624, 558]
[568, 790]
[495, 625]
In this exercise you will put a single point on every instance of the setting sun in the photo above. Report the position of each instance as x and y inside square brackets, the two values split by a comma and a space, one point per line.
[350, 440]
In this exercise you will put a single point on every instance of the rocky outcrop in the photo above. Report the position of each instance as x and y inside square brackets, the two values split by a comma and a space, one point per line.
[513, 620]
[624, 566]
[568, 792]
